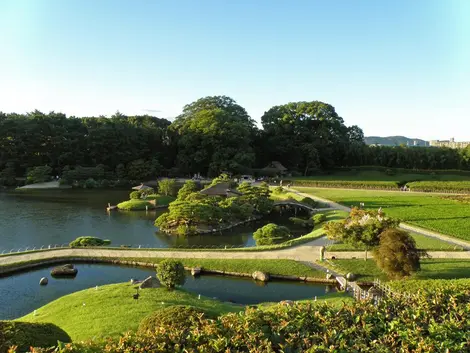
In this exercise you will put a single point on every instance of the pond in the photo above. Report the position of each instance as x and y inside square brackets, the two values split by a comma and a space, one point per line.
[42, 217]
[21, 293]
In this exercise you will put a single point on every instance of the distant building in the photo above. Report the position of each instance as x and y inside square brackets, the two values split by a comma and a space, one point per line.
[449, 143]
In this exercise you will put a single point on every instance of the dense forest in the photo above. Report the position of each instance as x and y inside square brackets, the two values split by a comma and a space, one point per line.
[211, 135]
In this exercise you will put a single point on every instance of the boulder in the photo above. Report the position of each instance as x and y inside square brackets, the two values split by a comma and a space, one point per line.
[43, 281]
[351, 277]
[64, 271]
[196, 271]
[149, 282]
[260, 276]
[135, 281]
[329, 275]
[287, 303]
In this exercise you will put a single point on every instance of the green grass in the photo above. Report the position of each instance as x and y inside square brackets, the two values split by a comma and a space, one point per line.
[433, 212]
[111, 310]
[367, 271]
[422, 242]
[248, 266]
[141, 204]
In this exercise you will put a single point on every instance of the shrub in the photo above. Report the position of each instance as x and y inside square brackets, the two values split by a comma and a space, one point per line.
[279, 190]
[39, 174]
[134, 195]
[188, 188]
[89, 241]
[397, 254]
[175, 316]
[309, 201]
[91, 183]
[271, 234]
[28, 334]
[171, 273]
[319, 218]
[307, 223]
[184, 229]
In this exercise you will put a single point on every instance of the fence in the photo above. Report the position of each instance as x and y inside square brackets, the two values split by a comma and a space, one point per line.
[387, 292]
[134, 246]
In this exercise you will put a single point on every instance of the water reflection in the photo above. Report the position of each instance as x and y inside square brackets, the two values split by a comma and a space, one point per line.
[34, 219]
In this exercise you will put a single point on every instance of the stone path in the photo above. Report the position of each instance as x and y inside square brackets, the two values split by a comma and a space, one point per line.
[405, 226]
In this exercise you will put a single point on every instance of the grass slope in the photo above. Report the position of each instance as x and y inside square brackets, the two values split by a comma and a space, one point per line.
[430, 269]
[422, 242]
[274, 267]
[111, 310]
[140, 204]
[433, 212]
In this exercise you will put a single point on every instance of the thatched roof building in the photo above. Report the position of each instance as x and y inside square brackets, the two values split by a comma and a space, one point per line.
[276, 167]
[141, 187]
[221, 189]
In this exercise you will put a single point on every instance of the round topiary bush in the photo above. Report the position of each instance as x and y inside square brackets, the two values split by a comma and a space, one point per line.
[89, 241]
[271, 234]
[135, 195]
[29, 334]
[309, 201]
[176, 316]
[171, 273]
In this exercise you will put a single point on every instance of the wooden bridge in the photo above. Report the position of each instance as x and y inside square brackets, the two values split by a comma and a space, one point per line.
[294, 203]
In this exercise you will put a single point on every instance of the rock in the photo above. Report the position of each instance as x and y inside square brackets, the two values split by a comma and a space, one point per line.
[287, 303]
[135, 281]
[64, 271]
[260, 276]
[149, 282]
[350, 276]
[43, 281]
[196, 271]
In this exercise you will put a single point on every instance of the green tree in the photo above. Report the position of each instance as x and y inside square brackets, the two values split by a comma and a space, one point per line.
[167, 187]
[397, 254]
[271, 234]
[39, 174]
[256, 196]
[362, 228]
[188, 188]
[171, 273]
[214, 134]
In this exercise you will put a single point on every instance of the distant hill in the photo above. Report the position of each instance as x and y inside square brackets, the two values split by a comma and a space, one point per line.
[394, 141]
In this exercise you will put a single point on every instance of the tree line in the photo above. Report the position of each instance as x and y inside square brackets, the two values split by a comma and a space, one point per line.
[210, 136]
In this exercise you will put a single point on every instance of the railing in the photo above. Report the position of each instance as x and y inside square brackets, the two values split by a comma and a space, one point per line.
[387, 292]
[133, 246]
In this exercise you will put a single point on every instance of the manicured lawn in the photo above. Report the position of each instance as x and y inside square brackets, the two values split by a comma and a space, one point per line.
[430, 269]
[274, 267]
[433, 212]
[422, 242]
[141, 204]
[111, 310]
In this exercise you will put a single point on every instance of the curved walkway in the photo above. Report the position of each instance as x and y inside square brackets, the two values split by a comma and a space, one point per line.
[405, 226]
[302, 253]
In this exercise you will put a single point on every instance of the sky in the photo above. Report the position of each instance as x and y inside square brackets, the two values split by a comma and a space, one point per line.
[395, 67]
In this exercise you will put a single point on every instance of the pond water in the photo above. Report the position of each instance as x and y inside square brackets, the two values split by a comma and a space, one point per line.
[43, 217]
[21, 293]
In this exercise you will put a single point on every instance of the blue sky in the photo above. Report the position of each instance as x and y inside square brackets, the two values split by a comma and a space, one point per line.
[391, 67]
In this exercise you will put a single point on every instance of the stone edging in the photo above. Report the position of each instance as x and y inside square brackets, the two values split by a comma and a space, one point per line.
[25, 267]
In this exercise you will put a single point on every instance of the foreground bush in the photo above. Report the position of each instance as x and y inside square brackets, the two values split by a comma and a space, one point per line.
[435, 322]
[89, 241]
[176, 316]
[27, 334]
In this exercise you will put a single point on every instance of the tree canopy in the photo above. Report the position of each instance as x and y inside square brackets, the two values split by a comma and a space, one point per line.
[211, 135]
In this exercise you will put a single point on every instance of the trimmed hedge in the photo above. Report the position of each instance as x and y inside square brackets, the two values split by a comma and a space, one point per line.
[89, 241]
[28, 334]
[441, 186]
[176, 316]
[347, 184]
